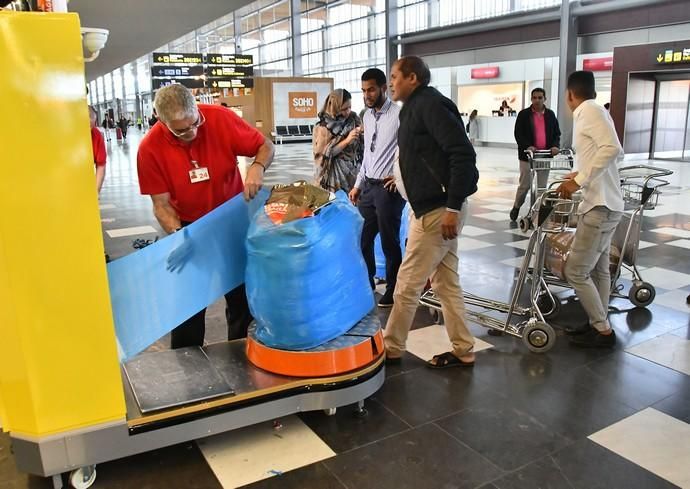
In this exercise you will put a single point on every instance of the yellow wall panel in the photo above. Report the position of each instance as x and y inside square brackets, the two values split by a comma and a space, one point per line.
[58, 360]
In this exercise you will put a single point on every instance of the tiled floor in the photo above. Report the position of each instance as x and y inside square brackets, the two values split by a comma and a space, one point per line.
[565, 419]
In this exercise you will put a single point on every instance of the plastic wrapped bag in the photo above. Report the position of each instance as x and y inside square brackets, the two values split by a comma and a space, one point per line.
[379, 257]
[306, 279]
[557, 250]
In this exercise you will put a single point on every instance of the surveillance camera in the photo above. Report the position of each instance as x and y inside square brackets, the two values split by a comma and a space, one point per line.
[94, 40]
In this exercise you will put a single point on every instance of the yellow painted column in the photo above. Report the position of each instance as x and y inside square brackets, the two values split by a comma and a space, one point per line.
[58, 360]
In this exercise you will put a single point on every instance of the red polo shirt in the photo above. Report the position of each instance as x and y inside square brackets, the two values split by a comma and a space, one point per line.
[539, 129]
[164, 162]
[98, 146]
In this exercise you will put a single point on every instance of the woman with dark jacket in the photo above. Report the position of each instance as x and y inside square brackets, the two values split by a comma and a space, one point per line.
[337, 143]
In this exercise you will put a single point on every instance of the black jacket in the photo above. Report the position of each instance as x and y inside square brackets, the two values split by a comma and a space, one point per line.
[437, 161]
[524, 131]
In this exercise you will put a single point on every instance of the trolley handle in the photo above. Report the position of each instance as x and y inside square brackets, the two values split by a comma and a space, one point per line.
[644, 172]
[547, 153]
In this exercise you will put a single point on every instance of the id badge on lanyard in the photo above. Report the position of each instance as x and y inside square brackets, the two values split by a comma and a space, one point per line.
[198, 173]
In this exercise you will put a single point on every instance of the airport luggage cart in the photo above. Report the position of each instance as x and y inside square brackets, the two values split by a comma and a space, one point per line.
[541, 163]
[640, 186]
[531, 327]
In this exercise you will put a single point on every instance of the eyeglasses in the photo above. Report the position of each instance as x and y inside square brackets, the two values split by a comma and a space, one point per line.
[200, 119]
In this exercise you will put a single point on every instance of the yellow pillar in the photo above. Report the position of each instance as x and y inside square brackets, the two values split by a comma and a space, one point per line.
[58, 361]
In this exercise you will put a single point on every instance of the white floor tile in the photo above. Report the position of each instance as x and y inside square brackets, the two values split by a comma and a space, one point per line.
[517, 261]
[498, 207]
[681, 233]
[499, 200]
[645, 244]
[668, 350]
[674, 299]
[518, 232]
[474, 231]
[666, 279]
[522, 245]
[121, 233]
[432, 340]
[653, 440]
[681, 243]
[469, 244]
[493, 216]
[258, 452]
[105, 207]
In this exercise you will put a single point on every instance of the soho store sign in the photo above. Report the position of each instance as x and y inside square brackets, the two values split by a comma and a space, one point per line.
[302, 105]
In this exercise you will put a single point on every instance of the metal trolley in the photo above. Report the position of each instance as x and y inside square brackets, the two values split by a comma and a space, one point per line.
[640, 186]
[532, 327]
[541, 164]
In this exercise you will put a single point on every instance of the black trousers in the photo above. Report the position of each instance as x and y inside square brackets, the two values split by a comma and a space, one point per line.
[193, 330]
[381, 211]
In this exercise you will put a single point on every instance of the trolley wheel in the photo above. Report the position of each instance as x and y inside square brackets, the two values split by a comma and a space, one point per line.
[548, 308]
[525, 224]
[330, 411]
[539, 337]
[642, 294]
[436, 315]
[83, 478]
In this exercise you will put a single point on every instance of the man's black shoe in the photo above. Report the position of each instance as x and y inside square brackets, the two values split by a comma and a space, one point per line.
[594, 339]
[386, 300]
[577, 330]
[514, 214]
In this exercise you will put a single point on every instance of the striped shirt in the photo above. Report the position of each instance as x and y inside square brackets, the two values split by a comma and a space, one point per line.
[380, 142]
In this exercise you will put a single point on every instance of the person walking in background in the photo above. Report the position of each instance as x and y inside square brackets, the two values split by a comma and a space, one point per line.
[374, 192]
[337, 143]
[106, 129]
[439, 171]
[123, 124]
[536, 128]
[98, 147]
[473, 127]
[597, 152]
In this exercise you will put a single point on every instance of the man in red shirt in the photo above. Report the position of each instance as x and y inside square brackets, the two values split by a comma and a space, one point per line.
[98, 145]
[536, 128]
[188, 165]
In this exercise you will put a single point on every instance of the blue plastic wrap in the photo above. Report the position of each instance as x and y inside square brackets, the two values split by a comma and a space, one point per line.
[380, 258]
[148, 300]
[306, 280]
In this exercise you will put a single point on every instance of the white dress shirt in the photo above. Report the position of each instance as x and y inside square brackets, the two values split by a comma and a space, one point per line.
[597, 152]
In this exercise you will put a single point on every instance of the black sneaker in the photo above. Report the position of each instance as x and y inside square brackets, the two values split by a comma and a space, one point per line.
[594, 339]
[386, 299]
[577, 330]
[514, 214]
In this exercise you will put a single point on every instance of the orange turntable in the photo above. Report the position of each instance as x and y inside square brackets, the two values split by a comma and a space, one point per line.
[360, 346]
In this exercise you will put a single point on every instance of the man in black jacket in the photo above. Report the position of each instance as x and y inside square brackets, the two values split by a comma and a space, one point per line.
[536, 128]
[438, 170]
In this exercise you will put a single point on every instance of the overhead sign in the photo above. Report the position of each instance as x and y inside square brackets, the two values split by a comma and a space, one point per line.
[230, 59]
[197, 70]
[176, 71]
[178, 58]
[598, 64]
[486, 72]
[230, 71]
[158, 83]
[670, 56]
[302, 105]
[231, 83]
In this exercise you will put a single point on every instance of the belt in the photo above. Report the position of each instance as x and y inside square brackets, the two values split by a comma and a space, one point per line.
[373, 181]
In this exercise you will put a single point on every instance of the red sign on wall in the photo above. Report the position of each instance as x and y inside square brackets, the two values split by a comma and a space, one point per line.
[598, 64]
[486, 72]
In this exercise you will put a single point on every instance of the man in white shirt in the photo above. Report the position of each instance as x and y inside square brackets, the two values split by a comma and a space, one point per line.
[597, 152]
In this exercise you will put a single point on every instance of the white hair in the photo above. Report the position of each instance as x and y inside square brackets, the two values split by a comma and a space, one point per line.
[175, 102]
